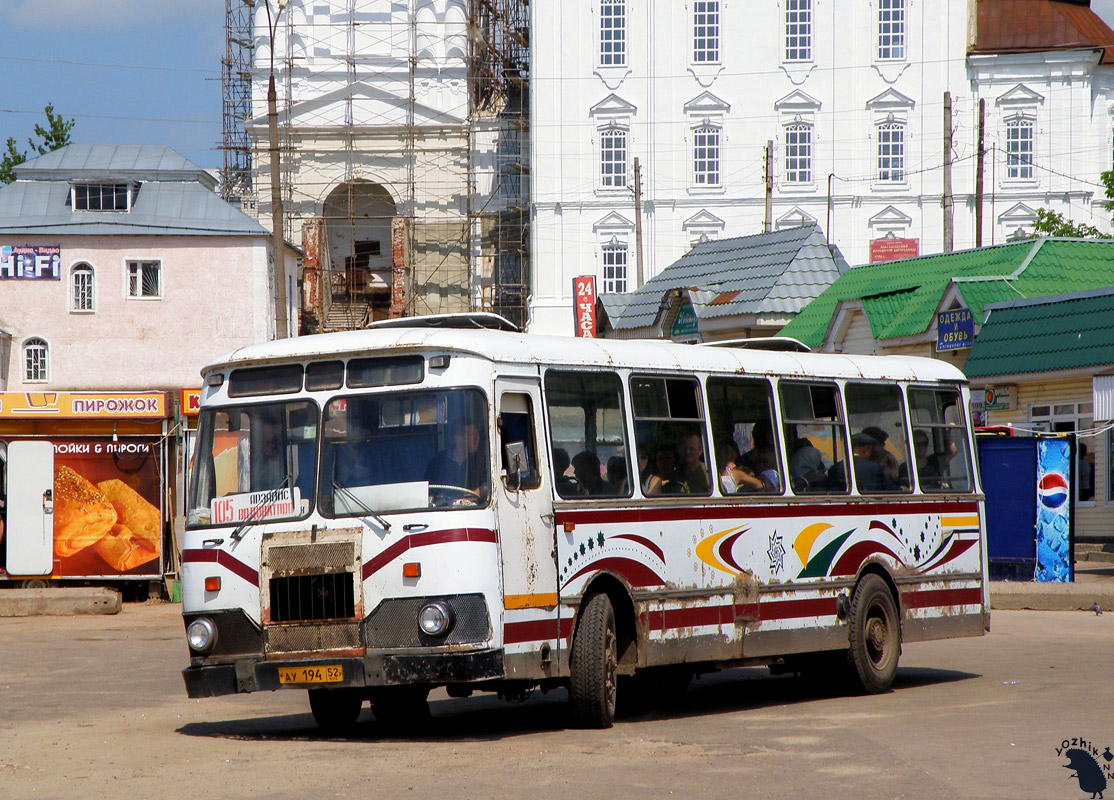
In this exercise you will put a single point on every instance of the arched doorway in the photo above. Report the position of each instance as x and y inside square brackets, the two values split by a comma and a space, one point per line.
[358, 216]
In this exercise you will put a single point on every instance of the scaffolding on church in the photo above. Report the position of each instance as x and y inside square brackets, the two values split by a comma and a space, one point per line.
[400, 208]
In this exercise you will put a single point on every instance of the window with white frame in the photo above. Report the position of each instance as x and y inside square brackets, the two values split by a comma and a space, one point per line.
[144, 279]
[36, 361]
[613, 33]
[705, 156]
[798, 30]
[81, 288]
[613, 158]
[614, 267]
[101, 197]
[891, 152]
[1019, 148]
[705, 38]
[798, 154]
[1076, 419]
[891, 29]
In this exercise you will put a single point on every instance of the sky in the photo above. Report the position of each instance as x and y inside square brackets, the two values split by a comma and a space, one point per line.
[129, 71]
[126, 71]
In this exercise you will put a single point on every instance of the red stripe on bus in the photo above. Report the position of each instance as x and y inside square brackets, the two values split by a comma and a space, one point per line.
[930, 598]
[223, 559]
[782, 511]
[642, 540]
[426, 540]
[537, 630]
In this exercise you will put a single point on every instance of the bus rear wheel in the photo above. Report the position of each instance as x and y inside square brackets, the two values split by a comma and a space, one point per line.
[335, 710]
[594, 665]
[875, 635]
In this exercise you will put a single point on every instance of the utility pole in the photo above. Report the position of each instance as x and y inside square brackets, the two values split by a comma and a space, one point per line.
[978, 174]
[768, 220]
[639, 274]
[279, 246]
[949, 210]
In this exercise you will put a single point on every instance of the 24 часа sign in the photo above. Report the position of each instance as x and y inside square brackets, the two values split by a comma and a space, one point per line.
[30, 263]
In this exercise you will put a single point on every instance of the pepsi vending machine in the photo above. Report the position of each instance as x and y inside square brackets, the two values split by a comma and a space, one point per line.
[1028, 485]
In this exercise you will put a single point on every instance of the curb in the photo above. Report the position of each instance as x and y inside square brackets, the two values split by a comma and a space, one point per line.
[59, 602]
[1007, 596]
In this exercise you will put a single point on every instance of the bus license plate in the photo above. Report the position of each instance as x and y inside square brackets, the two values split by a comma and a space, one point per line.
[326, 673]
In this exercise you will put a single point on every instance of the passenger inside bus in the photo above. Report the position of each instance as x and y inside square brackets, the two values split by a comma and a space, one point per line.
[665, 461]
[462, 464]
[882, 456]
[691, 474]
[761, 459]
[617, 475]
[921, 446]
[586, 467]
[868, 475]
[566, 484]
[806, 465]
[732, 477]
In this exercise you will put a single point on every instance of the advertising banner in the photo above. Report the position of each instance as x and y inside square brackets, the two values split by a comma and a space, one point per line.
[107, 520]
[1054, 510]
[955, 329]
[83, 405]
[584, 300]
[30, 263]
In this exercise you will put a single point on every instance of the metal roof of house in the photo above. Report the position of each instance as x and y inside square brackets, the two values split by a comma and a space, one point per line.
[1045, 334]
[773, 274]
[1020, 26]
[174, 196]
[900, 298]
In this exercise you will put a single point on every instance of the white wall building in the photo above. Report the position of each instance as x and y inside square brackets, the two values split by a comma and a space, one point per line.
[851, 98]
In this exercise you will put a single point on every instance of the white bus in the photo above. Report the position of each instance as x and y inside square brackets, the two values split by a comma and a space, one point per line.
[438, 503]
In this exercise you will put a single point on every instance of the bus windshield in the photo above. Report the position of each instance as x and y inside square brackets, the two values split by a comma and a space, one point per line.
[253, 462]
[404, 451]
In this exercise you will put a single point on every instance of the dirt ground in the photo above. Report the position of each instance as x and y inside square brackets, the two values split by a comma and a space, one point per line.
[95, 707]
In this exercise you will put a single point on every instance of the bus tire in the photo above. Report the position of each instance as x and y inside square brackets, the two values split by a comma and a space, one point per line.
[335, 710]
[594, 665]
[875, 635]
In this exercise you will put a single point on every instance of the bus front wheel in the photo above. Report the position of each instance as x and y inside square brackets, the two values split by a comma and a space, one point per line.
[594, 665]
[335, 710]
[875, 634]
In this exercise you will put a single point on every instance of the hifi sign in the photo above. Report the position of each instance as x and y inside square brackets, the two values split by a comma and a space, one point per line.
[30, 263]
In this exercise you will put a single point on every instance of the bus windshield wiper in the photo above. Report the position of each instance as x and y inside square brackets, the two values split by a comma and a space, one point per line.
[350, 495]
[257, 509]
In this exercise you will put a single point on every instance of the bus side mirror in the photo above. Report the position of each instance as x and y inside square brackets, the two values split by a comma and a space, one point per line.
[518, 464]
[48, 501]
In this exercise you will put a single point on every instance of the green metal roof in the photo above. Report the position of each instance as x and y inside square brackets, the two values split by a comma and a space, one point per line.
[900, 298]
[1069, 331]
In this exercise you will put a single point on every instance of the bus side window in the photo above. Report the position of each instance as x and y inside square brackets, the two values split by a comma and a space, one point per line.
[516, 442]
[742, 414]
[940, 440]
[875, 411]
[587, 433]
[814, 437]
[669, 419]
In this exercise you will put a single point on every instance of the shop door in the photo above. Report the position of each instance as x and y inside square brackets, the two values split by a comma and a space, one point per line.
[30, 524]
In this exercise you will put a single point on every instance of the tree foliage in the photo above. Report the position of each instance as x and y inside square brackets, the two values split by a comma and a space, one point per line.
[56, 134]
[1053, 223]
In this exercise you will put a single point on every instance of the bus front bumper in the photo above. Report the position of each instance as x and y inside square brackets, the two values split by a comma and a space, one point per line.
[251, 675]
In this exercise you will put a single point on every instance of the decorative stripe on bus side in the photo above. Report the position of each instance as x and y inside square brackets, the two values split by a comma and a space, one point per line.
[223, 559]
[780, 511]
[425, 540]
[514, 602]
[765, 611]
[633, 572]
[932, 598]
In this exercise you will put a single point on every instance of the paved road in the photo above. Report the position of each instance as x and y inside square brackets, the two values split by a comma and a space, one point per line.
[94, 707]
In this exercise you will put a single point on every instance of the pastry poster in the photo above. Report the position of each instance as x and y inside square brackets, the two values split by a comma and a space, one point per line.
[106, 507]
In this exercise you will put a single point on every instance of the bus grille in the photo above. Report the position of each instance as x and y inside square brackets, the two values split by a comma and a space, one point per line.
[394, 623]
[310, 638]
[320, 597]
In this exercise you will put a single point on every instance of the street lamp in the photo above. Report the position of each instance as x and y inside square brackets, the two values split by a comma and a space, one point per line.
[281, 323]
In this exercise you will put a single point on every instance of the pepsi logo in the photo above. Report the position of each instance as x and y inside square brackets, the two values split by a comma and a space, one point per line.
[1053, 490]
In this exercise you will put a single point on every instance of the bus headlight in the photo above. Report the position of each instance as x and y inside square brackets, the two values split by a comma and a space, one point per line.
[201, 635]
[435, 619]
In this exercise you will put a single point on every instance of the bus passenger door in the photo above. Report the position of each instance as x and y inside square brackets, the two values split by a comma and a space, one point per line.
[526, 539]
[29, 527]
